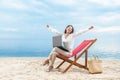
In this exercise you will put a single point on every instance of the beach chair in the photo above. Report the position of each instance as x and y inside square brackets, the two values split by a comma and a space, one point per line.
[77, 53]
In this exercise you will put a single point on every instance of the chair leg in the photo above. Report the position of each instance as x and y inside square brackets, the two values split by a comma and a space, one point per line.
[86, 58]
[60, 64]
[67, 68]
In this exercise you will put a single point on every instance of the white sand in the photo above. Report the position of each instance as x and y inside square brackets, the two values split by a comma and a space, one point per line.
[32, 69]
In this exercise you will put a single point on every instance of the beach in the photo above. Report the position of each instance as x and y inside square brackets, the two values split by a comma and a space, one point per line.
[31, 68]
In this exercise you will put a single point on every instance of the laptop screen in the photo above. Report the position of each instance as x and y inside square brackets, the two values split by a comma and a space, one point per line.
[57, 40]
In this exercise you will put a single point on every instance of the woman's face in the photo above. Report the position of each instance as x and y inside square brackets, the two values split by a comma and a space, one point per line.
[69, 30]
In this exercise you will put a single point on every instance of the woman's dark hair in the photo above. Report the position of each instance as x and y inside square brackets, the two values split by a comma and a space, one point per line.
[69, 26]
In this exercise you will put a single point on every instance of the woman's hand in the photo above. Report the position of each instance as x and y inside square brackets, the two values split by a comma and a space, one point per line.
[91, 27]
[47, 26]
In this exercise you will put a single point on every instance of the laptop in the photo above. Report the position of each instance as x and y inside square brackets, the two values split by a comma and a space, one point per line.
[57, 40]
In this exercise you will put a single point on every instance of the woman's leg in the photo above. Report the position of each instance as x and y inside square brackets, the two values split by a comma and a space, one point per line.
[53, 55]
[50, 58]
[55, 52]
[60, 51]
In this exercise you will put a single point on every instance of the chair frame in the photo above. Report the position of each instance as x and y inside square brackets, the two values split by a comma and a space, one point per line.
[74, 61]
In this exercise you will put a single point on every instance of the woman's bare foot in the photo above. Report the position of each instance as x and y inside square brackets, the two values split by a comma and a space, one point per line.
[46, 62]
[50, 68]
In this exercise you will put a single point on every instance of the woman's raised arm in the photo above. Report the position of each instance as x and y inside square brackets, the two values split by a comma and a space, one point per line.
[53, 30]
[80, 32]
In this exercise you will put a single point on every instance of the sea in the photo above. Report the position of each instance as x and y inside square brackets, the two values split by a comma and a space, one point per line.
[105, 47]
[40, 53]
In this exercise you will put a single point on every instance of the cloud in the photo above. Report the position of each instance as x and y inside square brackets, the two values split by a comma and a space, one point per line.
[107, 3]
[28, 6]
[7, 18]
[39, 3]
[9, 33]
[37, 10]
[109, 17]
[111, 49]
[106, 19]
[112, 29]
[13, 4]
[63, 2]
[7, 36]
[8, 29]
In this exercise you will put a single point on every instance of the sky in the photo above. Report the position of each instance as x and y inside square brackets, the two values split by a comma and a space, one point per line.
[23, 23]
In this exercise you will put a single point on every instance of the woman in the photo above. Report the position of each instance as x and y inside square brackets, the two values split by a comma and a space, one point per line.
[68, 42]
